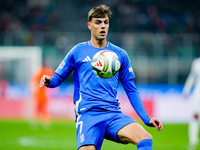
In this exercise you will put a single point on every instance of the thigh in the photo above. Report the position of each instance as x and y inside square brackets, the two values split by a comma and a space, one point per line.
[91, 129]
[87, 147]
[195, 104]
[116, 121]
[133, 133]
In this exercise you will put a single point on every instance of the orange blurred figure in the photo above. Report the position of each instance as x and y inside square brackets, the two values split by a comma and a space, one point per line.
[40, 97]
[3, 88]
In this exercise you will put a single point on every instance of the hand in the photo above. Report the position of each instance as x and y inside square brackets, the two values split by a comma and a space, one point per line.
[185, 96]
[45, 80]
[154, 122]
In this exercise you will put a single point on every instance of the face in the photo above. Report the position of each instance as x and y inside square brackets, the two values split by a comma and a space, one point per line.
[99, 27]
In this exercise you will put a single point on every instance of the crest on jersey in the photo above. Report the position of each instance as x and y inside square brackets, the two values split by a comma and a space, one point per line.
[62, 64]
[130, 69]
[82, 137]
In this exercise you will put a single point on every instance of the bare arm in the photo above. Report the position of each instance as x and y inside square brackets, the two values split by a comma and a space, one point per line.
[45, 80]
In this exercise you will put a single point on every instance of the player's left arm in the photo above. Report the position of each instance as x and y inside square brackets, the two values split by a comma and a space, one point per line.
[136, 102]
[155, 122]
[127, 79]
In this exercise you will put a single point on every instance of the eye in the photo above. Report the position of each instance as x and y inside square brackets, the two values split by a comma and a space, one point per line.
[106, 22]
[97, 21]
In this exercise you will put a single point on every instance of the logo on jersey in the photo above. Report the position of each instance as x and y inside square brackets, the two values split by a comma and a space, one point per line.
[62, 64]
[87, 59]
[130, 69]
[82, 137]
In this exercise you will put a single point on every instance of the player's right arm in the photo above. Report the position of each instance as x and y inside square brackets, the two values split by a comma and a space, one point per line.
[61, 73]
[45, 80]
[51, 81]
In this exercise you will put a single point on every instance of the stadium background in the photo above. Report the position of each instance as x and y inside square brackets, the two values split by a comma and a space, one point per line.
[161, 38]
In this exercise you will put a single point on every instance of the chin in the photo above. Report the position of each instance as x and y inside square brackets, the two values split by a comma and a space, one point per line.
[102, 38]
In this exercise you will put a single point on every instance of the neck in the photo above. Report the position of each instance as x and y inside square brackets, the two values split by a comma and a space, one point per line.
[98, 43]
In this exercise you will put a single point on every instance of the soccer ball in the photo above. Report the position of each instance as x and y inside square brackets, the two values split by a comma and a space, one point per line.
[105, 64]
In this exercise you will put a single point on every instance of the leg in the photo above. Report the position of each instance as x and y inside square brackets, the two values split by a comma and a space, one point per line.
[193, 130]
[124, 129]
[89, 147]
[134, 133]
[45, 115]
[34, 115]
[91, 128]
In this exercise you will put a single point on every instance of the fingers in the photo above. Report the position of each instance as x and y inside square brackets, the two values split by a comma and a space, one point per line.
[157, 123]
[44, 81]
[185, 96]
[160, 126]
[154, 123]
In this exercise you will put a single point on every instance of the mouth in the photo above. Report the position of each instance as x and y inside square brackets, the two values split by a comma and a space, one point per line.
[102, 33]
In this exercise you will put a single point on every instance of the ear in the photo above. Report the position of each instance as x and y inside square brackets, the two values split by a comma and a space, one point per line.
[89, 26]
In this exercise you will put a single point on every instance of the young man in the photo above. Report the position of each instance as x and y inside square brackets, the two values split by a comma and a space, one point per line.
[193, 80]
[97, 107]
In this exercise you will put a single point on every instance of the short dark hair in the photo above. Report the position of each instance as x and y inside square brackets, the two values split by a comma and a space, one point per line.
[99, 12]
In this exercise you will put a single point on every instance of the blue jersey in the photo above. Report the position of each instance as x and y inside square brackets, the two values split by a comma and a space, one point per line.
[90, 91]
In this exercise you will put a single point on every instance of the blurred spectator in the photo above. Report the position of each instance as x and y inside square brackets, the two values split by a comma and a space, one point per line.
[193, 82]
[3, 89]
[40, 97]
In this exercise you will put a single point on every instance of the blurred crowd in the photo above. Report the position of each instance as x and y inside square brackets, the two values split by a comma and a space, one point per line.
[33, 15]
[169, 16]
[173, 16]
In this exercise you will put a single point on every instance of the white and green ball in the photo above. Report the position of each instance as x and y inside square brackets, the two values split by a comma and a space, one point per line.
[105, 64]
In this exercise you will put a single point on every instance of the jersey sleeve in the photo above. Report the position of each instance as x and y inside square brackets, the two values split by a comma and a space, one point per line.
[56, 81]
[135, 100]
[67, 65]
[126, 71]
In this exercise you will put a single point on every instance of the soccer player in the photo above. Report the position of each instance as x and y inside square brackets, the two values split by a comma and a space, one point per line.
[40, 97]
[193, 80]
[98, 115]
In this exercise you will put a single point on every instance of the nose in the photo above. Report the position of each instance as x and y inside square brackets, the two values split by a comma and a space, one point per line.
[103, 25]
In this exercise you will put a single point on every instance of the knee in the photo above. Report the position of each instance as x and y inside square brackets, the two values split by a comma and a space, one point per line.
[146, 142]
[148, 136]
[145, 136]
[196, 116]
